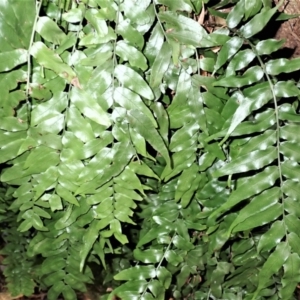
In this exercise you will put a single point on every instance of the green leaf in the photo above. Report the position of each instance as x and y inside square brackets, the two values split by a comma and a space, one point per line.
[148, 256]
[129, 290]
[99, 82]
[181, 160]
[89, 107]
[121, 147]
[97, 59]
[152, 234]
[250, 187]
[236, 14]
[157, 289]
[252, 75]
[40, 159]
[49, 30]
[154, 44]
[89, 239]
[293, 240]
[255, 213]
[228, 50]
[272, 237]
[41, 212]
[145, 128]
[257, 23]
[55, 290]
[292, 222]
[138, 272]
[262, 122]
[182, 243]
[68, 293]
[94, 18]
[291, 207]
[269, 46]
[133, 81]
[282, 65]
[252, 7]
[160, 66]
[247, 105]
[284, 16]
[35, 220]
[130, 34]
[252, 161]
[291, 188]
[261, 218]
[25, 225]
[73, 15]
[173, 258]
[11, 59]
[13, 18]
[273, 263]
[291, 276]
[129, 100]
[122, 238]
[66, 195]
[241, 60]
[289, 150]
[139, 143]
[13, 124]
[55, 202]
[94, 146]
[287, 112]
[80, 126]
[164, 276]
[48, 59]
[289, 132]
[242, 246]
[184, 135]
[183, 29]
[286, 89]
[260, 142]
[52, 264]
[176, 5]
[185, 181]
[131, 54]
[179, 113]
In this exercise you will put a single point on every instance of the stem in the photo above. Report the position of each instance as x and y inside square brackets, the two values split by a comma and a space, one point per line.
[158, 266]
[160, 24]
[277, 130]
[276, 113]
[114, 50]
[70, 85]
[198, 62]
[38, 8]
[208, 295]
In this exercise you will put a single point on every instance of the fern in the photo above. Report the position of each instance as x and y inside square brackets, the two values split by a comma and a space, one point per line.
[134, 138]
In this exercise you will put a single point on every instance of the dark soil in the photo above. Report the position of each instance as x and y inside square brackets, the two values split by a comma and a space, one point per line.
[290, 29]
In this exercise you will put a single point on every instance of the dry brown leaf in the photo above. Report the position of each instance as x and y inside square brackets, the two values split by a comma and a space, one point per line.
[202, 15]
[7, 296]
[75, 82]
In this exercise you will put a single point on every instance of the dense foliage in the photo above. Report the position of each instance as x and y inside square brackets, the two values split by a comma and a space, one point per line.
[137, 142]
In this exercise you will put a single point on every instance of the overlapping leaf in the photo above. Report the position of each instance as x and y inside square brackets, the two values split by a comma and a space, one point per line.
[109, 144]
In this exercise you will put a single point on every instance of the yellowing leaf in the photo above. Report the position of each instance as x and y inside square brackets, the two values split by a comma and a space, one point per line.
[49, 59]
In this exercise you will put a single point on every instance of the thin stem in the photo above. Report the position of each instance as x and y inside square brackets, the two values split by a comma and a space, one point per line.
[114, 49]
[198, 62]
[38, 8]
[276, 113]
[158, 266]
[160, 24]
[208, 295]
[72, 52]
[277, 125]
